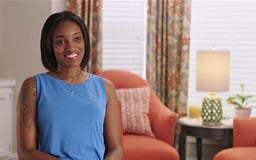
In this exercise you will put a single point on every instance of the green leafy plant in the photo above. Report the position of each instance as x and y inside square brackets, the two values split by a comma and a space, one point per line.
[241, 100]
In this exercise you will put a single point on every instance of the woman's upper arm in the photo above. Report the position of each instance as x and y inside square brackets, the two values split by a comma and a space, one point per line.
[26, 116]
[113, 131]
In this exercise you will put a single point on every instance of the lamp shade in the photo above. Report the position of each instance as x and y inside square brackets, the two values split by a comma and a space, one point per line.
[212, 70]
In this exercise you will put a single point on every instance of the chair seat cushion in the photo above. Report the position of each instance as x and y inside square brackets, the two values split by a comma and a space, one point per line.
[139, 147]
[237, 153]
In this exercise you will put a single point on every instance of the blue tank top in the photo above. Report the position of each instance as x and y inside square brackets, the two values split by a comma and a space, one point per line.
[70, 126]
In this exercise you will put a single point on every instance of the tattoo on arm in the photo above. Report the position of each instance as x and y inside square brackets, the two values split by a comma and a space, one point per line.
[27, 103]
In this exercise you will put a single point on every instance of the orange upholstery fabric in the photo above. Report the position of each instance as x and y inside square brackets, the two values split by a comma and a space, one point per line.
[244, 132]
[238, 153]
[244, 141]
[162, 121]
[139, 147]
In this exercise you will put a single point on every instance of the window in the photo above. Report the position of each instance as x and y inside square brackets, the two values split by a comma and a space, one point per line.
[124, 24]
[225, 25]
[220, 24]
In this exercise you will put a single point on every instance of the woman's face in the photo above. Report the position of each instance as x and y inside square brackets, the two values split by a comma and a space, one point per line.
[68, 44]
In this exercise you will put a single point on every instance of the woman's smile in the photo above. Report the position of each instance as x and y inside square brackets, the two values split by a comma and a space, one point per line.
[72, 56]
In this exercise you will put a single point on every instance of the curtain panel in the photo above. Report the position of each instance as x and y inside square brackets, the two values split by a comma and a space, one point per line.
[91, 12]
[168, 38]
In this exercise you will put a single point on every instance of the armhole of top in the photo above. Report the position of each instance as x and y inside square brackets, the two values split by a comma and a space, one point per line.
[102, 85]
[37, 85]
[105, 88]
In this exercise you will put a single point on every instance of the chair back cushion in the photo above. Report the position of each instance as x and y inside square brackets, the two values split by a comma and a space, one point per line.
[244, 132]
[123, 79]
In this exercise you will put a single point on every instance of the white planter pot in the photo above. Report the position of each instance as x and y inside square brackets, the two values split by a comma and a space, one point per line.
[246, 112]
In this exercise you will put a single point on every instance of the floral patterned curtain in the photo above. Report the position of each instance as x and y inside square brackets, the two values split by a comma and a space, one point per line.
[168, 38]
[91, 12]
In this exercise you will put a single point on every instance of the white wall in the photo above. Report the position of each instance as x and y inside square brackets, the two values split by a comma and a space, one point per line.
[58, 5]
[20, 52]
[20, 28]
[1, 36]
[21, 23]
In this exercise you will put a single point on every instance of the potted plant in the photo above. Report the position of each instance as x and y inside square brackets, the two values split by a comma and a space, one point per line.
[242, 102]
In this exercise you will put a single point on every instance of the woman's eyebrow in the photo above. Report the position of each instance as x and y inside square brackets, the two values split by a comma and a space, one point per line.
[61, 36]
[77, 33]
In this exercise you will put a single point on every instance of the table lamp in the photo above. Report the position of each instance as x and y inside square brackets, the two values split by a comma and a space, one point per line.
[212, 75]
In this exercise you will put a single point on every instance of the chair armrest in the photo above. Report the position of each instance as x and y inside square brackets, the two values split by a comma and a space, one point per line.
[162, 119]
[244, 132]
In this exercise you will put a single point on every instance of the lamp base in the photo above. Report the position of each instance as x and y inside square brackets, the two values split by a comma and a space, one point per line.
[211, 110]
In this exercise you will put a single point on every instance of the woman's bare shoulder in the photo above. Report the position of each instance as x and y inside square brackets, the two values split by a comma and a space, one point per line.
[108, 84]
[29, 82]
[28, 90]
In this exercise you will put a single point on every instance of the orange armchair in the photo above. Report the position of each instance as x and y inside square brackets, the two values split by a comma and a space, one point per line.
[162, 121]
[244, 141]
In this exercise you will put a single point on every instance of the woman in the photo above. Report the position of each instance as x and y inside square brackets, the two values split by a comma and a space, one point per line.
[67, 113]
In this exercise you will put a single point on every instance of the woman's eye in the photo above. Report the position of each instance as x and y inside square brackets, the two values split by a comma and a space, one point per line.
[77, 38]
[59, 42]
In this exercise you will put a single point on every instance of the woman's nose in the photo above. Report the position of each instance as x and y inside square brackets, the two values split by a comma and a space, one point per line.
[69, 46]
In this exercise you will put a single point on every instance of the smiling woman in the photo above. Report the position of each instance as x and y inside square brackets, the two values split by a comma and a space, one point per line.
[67, 113]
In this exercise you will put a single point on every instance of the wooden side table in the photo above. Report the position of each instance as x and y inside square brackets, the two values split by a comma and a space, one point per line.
[195, 128]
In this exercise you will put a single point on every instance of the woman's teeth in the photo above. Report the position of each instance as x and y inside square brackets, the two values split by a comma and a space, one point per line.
[71, 55]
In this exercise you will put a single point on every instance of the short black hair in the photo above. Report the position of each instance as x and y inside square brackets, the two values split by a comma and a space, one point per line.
[48, 58]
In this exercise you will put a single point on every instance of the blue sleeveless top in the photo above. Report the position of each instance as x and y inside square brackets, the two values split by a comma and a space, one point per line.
[70, 125]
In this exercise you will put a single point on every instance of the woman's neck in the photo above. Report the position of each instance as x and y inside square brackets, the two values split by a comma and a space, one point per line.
[68, 75]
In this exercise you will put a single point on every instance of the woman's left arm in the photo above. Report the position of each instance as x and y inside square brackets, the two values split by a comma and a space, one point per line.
[112, 125]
